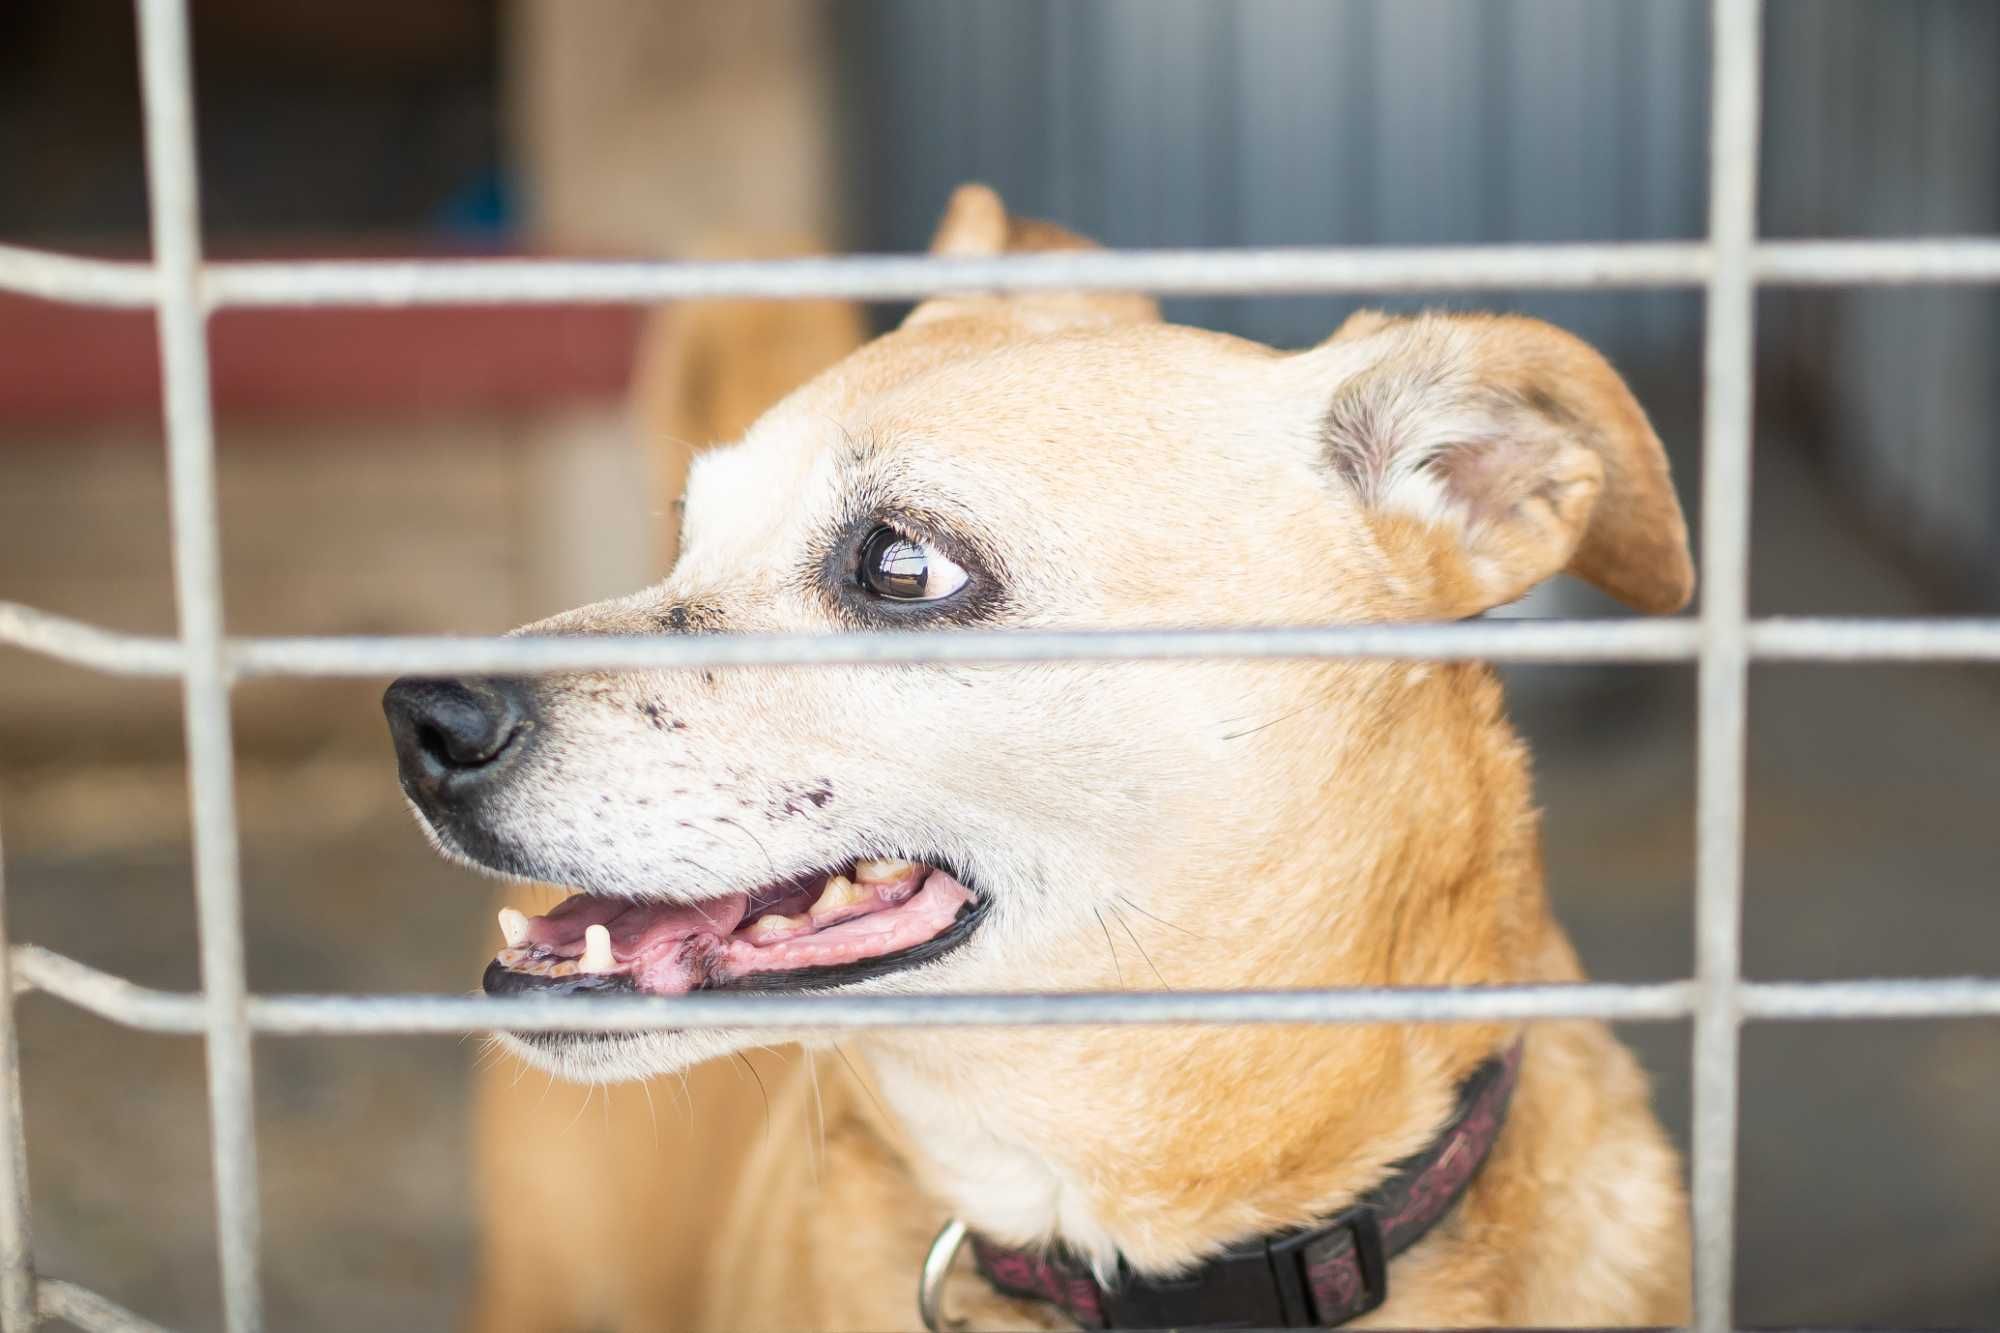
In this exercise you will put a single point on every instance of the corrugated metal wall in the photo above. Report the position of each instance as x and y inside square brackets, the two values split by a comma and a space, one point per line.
[1276, 122]
[1273, 122]
[1884, 120]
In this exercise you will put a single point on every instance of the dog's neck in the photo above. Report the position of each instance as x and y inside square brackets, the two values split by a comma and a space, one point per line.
[1163, 1146]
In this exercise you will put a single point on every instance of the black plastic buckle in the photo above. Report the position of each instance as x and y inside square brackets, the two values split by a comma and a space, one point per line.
[1365, 1226]
[1258, 1285]
[1287, 1256]
[1232, 1290]
[1291, 1267]
[1263, 1284]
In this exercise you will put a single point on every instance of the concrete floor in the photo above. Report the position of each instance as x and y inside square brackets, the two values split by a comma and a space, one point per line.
[1871, 1170]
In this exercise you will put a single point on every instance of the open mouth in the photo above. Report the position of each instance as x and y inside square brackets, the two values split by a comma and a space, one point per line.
[869, 919]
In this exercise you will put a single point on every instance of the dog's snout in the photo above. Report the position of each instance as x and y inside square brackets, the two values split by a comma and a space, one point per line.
[454, 736]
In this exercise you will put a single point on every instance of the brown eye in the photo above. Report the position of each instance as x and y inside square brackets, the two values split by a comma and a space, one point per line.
[905, 570]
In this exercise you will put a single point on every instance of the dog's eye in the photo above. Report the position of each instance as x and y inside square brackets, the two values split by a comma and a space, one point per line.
[905, 570]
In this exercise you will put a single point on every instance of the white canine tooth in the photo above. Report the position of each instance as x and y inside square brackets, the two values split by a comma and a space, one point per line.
[513, 927]
[882, 871]
[765, 927]
[597, 950]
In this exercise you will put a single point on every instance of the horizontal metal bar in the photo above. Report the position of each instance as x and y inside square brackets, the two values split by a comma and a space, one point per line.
[87, 1310]
[83, 644]
[1941, 639]
[1893, 998]
[1206, 272]
[871, 277]
[106, 994]
[1833, 640]
[1905, 261]
[331, 1015]
[1497, 640]
[1237, 272]
[59, 277]
[1509, 641]
[121, 1001]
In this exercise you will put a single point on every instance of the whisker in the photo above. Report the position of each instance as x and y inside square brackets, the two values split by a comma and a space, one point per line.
[1120, 916]
[687, 1096]
[646, 1087]
[1170, 925]
[756, 841]
[1323, 698]
[490, 1053]
[588, 1093]
[1115, 964]
[762, 1090]
[715, 882]
[861, 1082]
[819, 1111]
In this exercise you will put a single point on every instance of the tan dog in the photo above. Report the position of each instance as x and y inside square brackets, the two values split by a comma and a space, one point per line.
[1058, 461]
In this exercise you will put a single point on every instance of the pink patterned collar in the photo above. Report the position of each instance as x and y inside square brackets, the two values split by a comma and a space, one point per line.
[1316, 1277]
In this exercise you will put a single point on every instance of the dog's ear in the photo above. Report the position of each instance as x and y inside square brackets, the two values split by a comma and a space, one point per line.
[976, 224]
[1495, 451]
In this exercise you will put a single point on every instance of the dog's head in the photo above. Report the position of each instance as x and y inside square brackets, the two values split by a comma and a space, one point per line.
[1041, 462]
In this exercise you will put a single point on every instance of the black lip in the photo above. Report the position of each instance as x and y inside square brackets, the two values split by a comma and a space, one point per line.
[502, 980]
[499, 979]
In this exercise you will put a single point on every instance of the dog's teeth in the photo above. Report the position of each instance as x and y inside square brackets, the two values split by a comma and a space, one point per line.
[770, 927]
[882, 871]
[839, 894]
[513, 927]
[597, 950]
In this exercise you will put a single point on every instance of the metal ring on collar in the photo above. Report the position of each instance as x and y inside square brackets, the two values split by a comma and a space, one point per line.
[937, 1267]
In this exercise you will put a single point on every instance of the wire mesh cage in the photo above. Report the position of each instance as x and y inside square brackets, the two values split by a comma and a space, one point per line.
[1728, 267]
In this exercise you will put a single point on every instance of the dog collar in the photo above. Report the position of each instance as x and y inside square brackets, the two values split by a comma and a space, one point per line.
[1314, 1278]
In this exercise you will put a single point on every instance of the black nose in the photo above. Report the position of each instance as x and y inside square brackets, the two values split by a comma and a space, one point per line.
[454, 737]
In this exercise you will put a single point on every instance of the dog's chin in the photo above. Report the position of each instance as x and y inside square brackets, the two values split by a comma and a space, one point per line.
[583, 1057]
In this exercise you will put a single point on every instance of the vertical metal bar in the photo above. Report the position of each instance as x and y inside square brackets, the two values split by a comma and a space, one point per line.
[1729, 347]
[166, 75]
[17, 1251]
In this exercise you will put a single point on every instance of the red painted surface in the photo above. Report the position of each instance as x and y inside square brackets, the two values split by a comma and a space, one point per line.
[62, 364]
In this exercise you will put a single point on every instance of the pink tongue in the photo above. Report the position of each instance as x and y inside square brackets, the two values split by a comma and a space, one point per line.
[638, 930]
[668, 949]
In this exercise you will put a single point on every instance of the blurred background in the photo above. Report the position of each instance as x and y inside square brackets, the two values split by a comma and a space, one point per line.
[466, 470]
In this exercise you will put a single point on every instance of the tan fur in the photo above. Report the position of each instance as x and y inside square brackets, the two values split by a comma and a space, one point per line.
[1267, 824]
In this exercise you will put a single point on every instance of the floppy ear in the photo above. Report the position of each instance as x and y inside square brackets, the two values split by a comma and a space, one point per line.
[976, 224]
[1494, 451]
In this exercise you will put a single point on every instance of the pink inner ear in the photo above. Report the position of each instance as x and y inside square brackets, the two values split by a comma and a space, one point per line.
[1519, 436]
[1488, 479]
